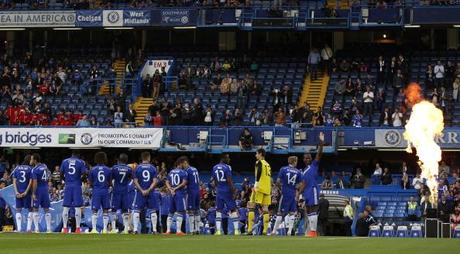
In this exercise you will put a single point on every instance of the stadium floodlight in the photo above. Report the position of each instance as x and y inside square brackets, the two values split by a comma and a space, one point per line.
[13, 29]
[411, 26]
[67, 28]
[119, 28]
[184, 27]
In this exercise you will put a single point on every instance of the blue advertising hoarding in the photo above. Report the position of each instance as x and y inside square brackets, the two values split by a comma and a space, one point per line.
[89, 18]
[136, 18]
[175, 17]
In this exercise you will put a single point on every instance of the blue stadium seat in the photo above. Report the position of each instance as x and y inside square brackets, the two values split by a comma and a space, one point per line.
[416, 231]
[374, 231]
[388, 231]
[402, 231]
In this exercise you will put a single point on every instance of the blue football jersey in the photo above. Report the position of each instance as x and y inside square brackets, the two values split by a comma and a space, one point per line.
[145, 174]
[220, 173]
[310, 175]
[289, 177]
[193, 180]
[121, 175]
[73, 168]
[100, 176]
[176, 177]
[22, 174]
[41, 174]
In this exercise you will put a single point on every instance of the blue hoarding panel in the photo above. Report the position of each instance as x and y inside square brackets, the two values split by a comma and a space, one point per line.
[89, 18]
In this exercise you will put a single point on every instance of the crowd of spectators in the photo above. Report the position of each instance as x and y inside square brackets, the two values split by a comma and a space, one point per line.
[27, 83]
[221, 78]
[358, 98]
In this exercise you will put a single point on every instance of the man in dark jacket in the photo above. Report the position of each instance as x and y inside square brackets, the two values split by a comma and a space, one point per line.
[323, 214]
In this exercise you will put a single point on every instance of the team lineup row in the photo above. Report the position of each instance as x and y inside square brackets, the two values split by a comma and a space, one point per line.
[110, 191]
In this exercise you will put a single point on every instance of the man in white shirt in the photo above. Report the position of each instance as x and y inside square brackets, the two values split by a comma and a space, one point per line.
[368, 99]
[417, 182]
[378, 170]
[439, 74]
[397, 118]
[326, 56]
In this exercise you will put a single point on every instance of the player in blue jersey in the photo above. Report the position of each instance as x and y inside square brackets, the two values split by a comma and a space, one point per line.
[221, 177]
[40, 193]
[177, 186]
[289, 178]
[309, 188]
[22, 187]
[100, 179]
[145, 180]
[121, 176]
[72, 170]
[193, 198]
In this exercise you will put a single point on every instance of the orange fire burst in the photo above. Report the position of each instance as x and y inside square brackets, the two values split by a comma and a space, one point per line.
[425, 124]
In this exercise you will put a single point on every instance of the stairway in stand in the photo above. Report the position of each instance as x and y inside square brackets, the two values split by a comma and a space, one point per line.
[119, 66]
[142, 107]
[314, 92]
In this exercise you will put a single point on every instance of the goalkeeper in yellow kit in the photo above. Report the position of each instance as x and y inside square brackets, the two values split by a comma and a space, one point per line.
[261, 194]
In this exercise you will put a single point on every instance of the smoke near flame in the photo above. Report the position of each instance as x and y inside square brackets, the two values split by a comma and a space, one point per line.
[425, 124]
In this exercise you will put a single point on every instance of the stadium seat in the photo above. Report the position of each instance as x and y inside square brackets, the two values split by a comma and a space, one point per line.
[374, 231]
[388, 231]
[402, 231]
[416, 231]
[456, 233]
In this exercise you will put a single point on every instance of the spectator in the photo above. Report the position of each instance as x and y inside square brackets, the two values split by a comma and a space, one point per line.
[147, 120]
[398, 81]
[444, 169]
[357, 119]
[83, 122]
[455, 217]
[327, 183]
[225, 85]
[118, 118]
[130, 116]
[429, 76]
[412, 209]
[215, 83]
[326, 56]
[385, 117]
[156, 84]
[246, 140]
[439, 74]
[318, 117]
[456, 86]
[208, 116]
[368, 99]
[405, 181]
[340, 88]
[147, 87]
[445, 208]
[378, 170]
[344, 66]
[417, 182]
[358, 179]
[313, 60]
[381, 70]
[280, 117]
[348, 216]
[157, 119]
[397, 118]
[386, 177]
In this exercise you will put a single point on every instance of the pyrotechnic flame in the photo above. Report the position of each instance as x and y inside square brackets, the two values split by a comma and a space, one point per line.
[425, 124]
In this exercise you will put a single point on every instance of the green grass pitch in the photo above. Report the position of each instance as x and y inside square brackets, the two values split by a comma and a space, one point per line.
[136, 244]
